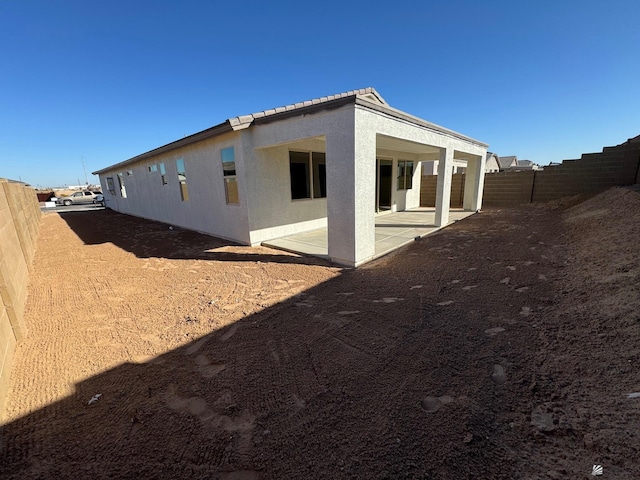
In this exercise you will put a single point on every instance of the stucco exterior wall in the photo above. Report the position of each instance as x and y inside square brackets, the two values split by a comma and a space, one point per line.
[206, 210]
[272, 211]
[386, 125]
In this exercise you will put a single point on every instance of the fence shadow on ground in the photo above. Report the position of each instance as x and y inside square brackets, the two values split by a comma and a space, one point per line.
[147, 238]
[328, 384]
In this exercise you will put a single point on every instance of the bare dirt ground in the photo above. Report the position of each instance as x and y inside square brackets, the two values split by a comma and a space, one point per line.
[505, 346]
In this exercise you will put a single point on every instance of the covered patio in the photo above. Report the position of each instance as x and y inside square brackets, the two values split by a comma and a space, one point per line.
[335, 183]
[392, 231]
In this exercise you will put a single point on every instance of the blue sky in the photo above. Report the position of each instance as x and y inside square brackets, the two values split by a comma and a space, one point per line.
[100, 82]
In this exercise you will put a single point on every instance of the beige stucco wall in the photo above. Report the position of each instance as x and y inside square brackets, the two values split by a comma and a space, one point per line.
[272, 211]
[206, 210]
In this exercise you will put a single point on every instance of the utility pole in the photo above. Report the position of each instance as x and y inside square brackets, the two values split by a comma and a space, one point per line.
[86, 180]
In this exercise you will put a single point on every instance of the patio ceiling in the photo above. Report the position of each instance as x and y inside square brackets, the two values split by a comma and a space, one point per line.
[399, 145]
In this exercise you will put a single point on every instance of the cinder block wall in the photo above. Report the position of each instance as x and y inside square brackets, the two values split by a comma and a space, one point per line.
[594, 172]
[507, 188]
[428, 187]
[19, 225]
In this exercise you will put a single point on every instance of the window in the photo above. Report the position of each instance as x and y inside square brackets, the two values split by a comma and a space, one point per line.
[319, 175]
[163, 174]
[110, 186]
[153, 168]
[123, 189]
[229, 173]
[405, 174]
[129, 173]
[182, 179]
[308, 175]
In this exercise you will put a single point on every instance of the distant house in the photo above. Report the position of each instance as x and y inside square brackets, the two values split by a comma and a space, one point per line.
[492, 165]
[512, 163]
[527, 165]
[507, 162]
[332, 162]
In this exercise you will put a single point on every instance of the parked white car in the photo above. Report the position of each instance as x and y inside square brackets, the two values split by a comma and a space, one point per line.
[78, 198]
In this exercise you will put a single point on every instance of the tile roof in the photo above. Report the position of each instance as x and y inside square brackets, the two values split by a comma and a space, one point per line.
[525, 163]
[367, 97]
[245, 121]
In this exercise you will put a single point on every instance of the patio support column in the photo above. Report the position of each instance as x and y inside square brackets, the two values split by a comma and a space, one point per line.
[351, 180]
[443, 189]
[474, 184]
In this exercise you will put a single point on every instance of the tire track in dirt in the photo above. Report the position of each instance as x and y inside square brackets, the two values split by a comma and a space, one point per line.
[404, 388]
[106, 307]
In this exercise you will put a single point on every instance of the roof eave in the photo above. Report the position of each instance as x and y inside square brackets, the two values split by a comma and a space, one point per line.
[418, 121]
[219, 129]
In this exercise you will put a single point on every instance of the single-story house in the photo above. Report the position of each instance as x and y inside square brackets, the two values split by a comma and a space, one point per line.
[513, 164]
[527, 165]
[492, 165]
[507, 162]
[334, 162]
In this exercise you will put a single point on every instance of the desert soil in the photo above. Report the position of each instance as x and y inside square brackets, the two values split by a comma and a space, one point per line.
[505, 346]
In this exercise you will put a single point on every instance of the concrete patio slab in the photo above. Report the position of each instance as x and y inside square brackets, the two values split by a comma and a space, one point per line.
[393, 230]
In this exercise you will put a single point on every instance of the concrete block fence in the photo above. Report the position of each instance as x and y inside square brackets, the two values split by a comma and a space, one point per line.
[592, 173]
[19, 226]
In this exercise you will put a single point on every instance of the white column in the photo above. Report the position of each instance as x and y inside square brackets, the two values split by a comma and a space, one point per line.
[351, 181]
[474, 184]
[443, 189]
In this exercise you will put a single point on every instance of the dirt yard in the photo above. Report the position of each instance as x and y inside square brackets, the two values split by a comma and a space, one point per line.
[503, 347]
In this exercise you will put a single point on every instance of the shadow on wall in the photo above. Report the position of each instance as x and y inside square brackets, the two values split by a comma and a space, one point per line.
[324, 385]
[148, 238]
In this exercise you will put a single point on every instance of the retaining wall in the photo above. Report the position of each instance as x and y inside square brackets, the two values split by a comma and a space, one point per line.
[592, 173]
[19, 226]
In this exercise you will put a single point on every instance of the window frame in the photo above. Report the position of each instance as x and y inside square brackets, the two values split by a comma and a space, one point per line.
[230, 175]
[122, 185]
[163, 174]
[315, 190]
[181, 170]
[405, 180]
